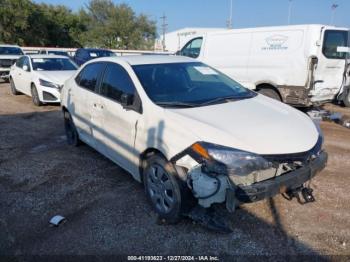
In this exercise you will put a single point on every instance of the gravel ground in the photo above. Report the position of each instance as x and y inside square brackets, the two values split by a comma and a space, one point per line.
[107, 213]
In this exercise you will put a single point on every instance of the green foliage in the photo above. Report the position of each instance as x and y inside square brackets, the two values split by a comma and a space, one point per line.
[116, 26]
[100, 24]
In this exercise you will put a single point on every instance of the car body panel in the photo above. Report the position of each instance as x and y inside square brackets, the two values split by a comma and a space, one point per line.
[260, 124]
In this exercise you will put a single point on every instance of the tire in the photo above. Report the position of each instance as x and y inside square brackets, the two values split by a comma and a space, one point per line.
[269, 92]
[163, 188]
[346, 99]
[35, 96]
[13, 88]
[71, 131]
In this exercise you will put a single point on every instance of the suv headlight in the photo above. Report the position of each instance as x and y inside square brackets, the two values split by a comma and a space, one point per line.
[49, 84]
[225, 160]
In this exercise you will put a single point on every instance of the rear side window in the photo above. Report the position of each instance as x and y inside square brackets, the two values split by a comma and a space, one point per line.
[116, 82]
[88, 77]
[332, 40]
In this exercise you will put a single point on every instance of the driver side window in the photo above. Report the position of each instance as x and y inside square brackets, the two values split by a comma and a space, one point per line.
[192, 48]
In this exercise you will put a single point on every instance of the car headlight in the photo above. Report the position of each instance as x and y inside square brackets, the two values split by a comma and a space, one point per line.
[225, 160]
[49, 84]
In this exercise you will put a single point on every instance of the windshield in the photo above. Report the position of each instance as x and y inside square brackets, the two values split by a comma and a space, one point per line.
[53, 64]
[101, 53]
[4, 50]
[58, 53]
[188, 84]
[332, 40]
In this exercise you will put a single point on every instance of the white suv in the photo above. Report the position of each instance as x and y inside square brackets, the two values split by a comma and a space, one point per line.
[8, 56]
[188, 132]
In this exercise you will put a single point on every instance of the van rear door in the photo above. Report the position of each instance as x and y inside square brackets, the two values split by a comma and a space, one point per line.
[331, 65]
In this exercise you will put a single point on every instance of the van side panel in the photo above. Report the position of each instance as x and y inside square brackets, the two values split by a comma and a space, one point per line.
[228, 53]
[278, 56]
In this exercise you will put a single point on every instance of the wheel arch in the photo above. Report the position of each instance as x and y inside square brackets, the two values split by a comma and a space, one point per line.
[269, 85]
[144, 155]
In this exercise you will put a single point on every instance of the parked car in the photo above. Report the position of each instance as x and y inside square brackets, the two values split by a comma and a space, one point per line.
[53, 52]
[83, 55]
[41, 77]
[187, 131]
[299, 64]
[8, 56]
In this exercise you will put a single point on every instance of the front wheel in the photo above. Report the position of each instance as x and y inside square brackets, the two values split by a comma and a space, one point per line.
[162, 188]
[35, 96]
[269, 92]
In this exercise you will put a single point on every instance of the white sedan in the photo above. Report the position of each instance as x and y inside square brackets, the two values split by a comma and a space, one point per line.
[191, 134]
[41, 77]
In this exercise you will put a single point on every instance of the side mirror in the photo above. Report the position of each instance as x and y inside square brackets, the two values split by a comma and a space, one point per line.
[178, 52]
[25, 68]
[127, 100]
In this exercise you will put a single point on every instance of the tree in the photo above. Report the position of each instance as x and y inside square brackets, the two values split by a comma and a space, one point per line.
[100, 24]
[116, 26]
[13, 20]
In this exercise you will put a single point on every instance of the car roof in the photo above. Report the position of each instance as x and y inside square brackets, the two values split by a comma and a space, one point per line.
[47, 56]
[95, 49]
[148, 59]
[4, 45]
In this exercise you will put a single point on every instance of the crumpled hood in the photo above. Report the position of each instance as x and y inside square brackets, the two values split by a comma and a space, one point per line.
[57, 77]
[260, 125]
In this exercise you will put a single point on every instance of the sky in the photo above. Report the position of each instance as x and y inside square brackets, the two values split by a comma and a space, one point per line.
[246, 13]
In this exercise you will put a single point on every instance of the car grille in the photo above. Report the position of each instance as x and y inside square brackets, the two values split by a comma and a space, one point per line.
[7, 62]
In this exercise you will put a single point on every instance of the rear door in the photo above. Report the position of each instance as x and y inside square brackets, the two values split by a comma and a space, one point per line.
[330, 68]
[83, 101]
[119, 125]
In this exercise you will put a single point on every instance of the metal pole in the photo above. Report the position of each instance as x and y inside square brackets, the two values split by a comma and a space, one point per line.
[164, 27]
[289, 10]
[333, 8]
[229, 20]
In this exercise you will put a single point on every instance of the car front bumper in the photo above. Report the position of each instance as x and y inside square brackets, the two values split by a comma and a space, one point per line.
[49, 95]
[281, 184]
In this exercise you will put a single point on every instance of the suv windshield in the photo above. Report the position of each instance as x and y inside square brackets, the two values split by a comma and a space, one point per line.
[188, 85]
[332, 40]
[53, 64]
[58, 53]
[5, 50]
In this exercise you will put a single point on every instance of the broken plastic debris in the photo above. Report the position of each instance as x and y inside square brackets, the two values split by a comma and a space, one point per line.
[56, 220]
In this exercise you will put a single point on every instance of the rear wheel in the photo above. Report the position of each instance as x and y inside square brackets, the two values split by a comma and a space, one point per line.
[35, 96]
[163, 188]
[269, 92]
[71, 131]
[13, 87]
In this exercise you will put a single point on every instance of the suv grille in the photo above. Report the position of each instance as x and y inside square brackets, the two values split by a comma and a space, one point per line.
[7, 62]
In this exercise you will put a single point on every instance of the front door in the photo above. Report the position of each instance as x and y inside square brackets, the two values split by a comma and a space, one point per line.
[331, 65]
[119, 125]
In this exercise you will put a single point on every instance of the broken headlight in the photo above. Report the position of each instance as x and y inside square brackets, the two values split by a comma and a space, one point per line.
[225, 160]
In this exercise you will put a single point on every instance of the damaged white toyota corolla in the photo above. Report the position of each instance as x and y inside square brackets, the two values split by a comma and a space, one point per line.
[191, 134]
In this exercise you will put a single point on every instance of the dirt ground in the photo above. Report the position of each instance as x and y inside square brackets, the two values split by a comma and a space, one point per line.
[107, 212]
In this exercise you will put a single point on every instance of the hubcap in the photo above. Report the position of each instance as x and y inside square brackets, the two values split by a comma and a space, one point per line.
[160, 188]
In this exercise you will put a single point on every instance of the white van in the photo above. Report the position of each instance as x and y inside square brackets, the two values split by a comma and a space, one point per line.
[299, 65]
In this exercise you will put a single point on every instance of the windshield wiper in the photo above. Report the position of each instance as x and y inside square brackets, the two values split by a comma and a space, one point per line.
[176, 104]
[224, 99]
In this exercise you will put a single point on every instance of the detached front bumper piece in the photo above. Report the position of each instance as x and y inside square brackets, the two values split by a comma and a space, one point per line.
[281, 184]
